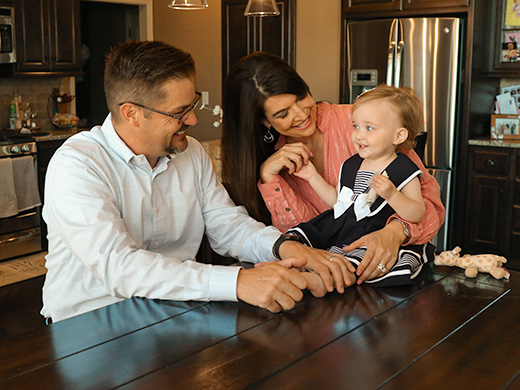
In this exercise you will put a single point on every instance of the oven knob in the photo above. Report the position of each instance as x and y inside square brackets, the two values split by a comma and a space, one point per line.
[14, 149]
[25, 148]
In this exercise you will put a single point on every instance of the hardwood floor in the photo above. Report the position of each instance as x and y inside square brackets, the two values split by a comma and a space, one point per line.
[20, 306]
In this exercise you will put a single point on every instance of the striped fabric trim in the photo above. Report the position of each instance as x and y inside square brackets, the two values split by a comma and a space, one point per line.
[409, 263]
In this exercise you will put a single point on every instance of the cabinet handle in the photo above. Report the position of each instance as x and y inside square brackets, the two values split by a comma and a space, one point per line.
[491, 162]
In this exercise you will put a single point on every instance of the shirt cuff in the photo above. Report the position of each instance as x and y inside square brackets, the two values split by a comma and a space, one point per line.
[273, 189]
[223, 283]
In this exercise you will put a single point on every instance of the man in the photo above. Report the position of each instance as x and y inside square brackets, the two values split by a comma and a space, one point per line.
[128, 202]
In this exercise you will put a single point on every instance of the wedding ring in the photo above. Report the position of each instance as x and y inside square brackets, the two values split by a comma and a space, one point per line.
[331, 258]
[381, 267]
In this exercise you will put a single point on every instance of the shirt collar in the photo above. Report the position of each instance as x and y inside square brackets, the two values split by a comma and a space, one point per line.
[119, 146]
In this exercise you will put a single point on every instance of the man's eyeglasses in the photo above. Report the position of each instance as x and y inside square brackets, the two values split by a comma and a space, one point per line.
[181, 118]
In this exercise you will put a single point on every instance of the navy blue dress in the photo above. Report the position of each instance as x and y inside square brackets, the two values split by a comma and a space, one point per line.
[333, 232]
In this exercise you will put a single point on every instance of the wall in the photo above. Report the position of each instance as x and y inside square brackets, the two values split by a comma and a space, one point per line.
[33, 90]
[199, 32]
[318, 40]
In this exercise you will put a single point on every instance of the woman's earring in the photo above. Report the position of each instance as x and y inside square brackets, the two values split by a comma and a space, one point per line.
[268, 137]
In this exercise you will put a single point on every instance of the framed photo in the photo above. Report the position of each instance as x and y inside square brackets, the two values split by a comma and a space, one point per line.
[505, 126]
[510, 45]
[512, 13]
[514, 90]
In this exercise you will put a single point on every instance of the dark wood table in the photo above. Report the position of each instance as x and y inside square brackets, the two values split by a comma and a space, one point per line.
[447, 332]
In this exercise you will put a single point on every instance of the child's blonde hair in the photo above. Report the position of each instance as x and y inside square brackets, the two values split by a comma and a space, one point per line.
[407, 103]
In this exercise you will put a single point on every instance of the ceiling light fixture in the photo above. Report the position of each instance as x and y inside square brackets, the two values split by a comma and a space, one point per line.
[188, 4]
[262, 8]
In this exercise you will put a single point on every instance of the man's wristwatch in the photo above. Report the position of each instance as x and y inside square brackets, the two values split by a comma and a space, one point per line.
[282, 239]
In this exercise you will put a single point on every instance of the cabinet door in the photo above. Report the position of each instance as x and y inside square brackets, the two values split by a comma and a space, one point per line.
[351, 6]
[488, 210]
[46, 150]
[242, 35]
[514, 247]
[424, 4]
[32, 21]
[48, 35]
[64, 28]
[488, 213]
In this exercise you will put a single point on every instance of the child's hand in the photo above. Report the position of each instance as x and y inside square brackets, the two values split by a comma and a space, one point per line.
[383, 186]
[307, 171]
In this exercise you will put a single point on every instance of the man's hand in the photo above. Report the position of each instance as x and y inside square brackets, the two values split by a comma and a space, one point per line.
[382, 248]
[334, 269]
[275, 286]
[314, 284]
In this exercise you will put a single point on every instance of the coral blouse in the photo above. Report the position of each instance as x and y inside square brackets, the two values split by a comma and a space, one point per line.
[292, 200]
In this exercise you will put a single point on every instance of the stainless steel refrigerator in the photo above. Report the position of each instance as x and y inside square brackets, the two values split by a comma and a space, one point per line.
[424, 54]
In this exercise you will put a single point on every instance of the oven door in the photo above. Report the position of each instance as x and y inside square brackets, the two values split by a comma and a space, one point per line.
[21, 234]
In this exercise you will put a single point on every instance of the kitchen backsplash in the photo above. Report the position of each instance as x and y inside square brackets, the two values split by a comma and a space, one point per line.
[35, 91]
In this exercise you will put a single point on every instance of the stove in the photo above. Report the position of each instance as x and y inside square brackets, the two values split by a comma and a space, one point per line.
[20, 234]
[8, 137]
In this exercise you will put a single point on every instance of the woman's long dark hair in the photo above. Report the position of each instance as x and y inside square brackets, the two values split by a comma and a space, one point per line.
[251, 81]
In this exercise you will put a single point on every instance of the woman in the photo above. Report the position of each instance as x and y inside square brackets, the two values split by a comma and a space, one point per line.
[271, 127]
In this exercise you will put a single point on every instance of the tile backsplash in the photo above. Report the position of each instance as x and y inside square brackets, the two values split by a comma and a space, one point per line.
[34, 90]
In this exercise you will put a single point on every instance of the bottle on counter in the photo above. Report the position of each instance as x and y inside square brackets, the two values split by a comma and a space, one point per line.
[17, 101]
[27, 116]
[13, 116]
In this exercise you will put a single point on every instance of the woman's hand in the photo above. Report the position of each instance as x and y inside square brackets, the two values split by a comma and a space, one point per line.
[382, 248]
[290, 156]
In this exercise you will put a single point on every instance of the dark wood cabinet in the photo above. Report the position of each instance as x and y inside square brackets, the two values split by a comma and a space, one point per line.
[492, 223]
[242, 35]
[429, 4]
[353, 6]
[46, 150]
[48, 37]
[371, 5]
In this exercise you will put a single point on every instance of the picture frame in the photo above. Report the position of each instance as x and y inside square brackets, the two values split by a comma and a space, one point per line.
[505, 126]
[510, 47]
[514, 90]
[512, 13]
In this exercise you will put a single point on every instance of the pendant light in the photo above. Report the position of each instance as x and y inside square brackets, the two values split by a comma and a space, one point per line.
[188, 4]
[262, 8]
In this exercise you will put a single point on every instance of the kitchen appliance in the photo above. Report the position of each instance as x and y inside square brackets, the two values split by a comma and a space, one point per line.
[7, 36]
[19, 234]
[424, 54]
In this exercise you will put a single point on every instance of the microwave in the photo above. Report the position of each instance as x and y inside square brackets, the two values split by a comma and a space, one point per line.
[7, 36]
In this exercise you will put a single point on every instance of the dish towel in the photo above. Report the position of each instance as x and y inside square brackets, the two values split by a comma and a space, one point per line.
[8, 199]
[26, 183]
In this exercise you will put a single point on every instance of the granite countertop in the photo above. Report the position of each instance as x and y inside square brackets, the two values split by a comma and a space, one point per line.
[57, 134]
[506, 143]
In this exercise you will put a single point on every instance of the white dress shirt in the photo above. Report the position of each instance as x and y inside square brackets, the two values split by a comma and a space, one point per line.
[119, 229]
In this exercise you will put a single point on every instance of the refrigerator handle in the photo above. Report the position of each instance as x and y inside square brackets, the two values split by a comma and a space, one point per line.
[397, 70]
[391, 49]
[398, 58]
[389, 66]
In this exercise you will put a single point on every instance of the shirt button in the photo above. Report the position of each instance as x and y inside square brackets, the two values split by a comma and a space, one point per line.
[287, 209]
[277, 189]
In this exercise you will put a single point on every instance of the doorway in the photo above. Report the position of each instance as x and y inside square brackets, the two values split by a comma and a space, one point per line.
[104, 23]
